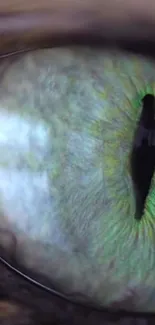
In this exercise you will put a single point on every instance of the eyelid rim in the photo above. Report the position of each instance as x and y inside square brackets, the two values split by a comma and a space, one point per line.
[23, 32]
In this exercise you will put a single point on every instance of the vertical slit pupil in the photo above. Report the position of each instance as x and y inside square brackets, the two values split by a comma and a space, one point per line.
[143, 154]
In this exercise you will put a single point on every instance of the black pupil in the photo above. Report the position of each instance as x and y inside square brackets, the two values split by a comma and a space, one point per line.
[143, 154]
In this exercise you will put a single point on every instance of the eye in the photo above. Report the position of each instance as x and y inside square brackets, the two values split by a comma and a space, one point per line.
[77, 184]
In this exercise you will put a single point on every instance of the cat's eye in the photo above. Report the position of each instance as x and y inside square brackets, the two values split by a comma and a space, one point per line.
[68, 118]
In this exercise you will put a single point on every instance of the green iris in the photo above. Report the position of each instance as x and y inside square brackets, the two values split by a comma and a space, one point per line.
[67, 123]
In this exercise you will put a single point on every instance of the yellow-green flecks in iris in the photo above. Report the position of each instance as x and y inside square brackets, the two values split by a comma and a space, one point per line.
[102, 95]
[55, 173]
[32, 161]
[149, 89]
[87, 165]
[96, 128]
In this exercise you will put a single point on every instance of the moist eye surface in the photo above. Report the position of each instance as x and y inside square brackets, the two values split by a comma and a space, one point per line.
[68, 118]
